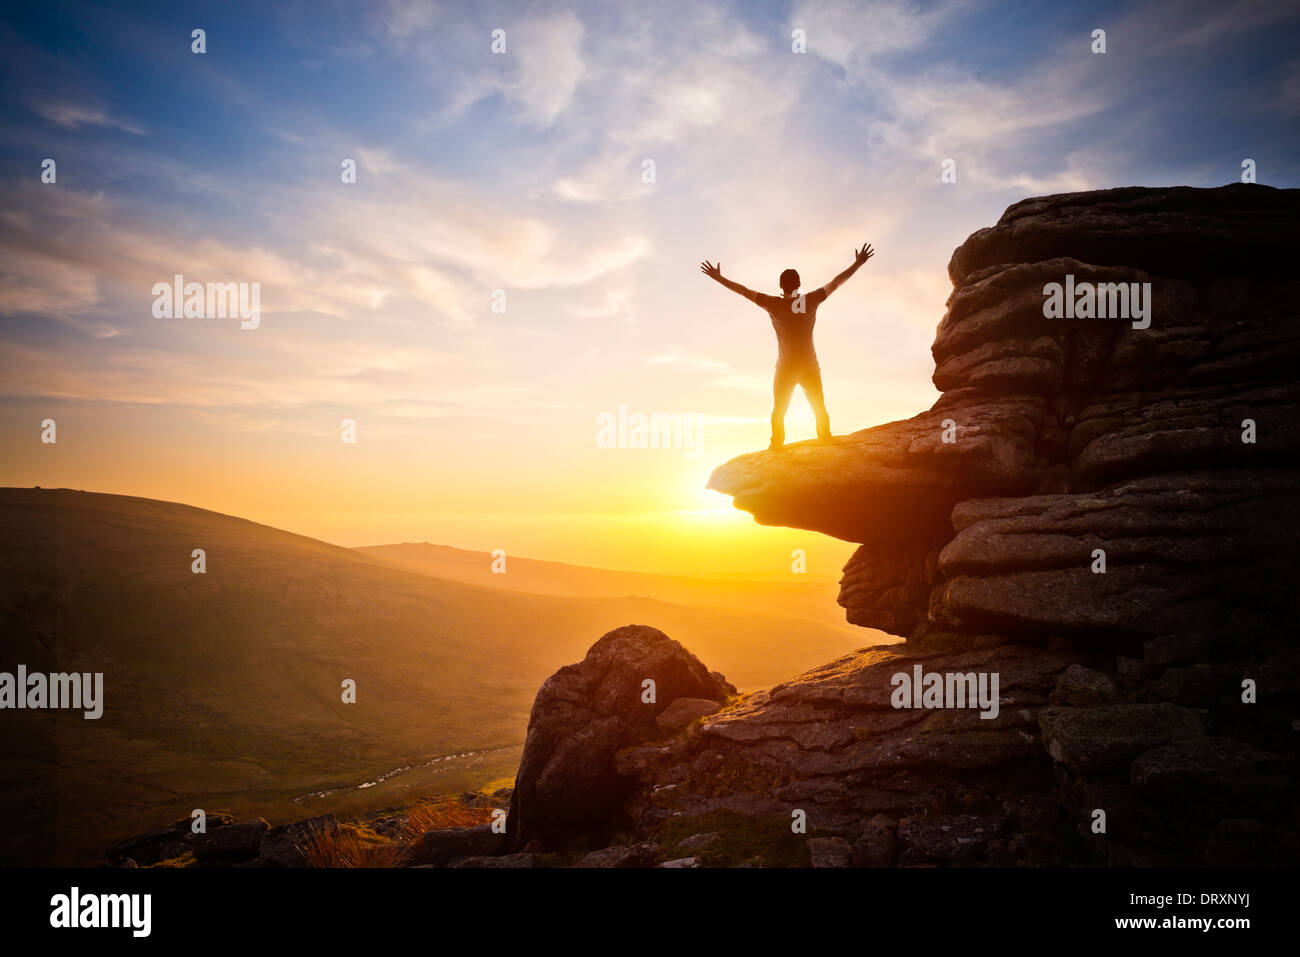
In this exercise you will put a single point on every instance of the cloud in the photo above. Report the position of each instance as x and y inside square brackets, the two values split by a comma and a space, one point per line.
[674, 358]
[538, 72]
[549, 54]
[930, 106]
[402, 19]
[851, 34]
[71, 116]
[687, 95]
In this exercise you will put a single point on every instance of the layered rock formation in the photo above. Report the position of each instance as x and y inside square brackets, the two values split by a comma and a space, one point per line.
[1101, 514]
[1066, 435]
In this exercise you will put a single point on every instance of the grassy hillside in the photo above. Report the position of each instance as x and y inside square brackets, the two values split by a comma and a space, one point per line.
[222, 690]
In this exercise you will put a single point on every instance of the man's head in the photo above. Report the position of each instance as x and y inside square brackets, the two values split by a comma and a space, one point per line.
[789, 282]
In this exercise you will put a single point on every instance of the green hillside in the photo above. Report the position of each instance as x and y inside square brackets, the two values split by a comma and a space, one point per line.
[222, 690]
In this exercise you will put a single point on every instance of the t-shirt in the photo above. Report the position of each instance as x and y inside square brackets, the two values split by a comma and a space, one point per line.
[794, 328]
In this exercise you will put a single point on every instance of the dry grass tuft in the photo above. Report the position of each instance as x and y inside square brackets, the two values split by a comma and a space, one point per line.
[356, 845]
[353, 845]
[439, 815]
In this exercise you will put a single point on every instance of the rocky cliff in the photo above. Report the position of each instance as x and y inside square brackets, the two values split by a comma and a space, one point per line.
[1099, 513]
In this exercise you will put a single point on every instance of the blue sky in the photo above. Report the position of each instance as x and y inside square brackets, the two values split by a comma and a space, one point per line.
[521, 172]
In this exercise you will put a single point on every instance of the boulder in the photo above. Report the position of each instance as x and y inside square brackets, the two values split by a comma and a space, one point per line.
[567, 784]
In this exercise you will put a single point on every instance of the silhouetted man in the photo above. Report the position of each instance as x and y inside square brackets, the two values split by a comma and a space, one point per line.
[793, 316]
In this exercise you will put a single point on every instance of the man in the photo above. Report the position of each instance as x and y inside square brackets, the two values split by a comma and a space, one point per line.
[793, 316]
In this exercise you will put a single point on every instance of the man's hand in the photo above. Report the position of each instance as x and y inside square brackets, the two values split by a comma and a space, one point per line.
[859, 257]
[714, 271]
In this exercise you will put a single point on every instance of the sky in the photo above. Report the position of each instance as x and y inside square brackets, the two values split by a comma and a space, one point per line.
[504, 272]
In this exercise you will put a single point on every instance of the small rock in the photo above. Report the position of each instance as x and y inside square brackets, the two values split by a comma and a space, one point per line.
[1036, 811]
[388, 826]
[281, 845]
[1174, 649]
[696, 841]
[440, 847]
[878, 844]
[1084, 687]
[229, 842]
[1130, 671]
[949, 837]
[579, 845]
[1186, 686]
[708, 762]
[682, 711]
[830, 852]
[1248, 843]
[682, 862]
[635, 855]
[503, 860]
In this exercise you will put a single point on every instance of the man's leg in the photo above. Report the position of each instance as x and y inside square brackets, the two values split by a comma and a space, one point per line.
[783, 384]
[812, 390]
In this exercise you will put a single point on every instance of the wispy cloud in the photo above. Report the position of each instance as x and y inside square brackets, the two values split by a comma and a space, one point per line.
[71, 116]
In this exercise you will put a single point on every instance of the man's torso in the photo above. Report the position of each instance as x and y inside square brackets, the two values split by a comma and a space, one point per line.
[793, 319]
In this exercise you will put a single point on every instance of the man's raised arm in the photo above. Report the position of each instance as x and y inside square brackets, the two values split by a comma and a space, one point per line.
[859, 257]
[714, 271]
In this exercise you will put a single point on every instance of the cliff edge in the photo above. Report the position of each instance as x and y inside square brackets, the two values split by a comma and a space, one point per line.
[1090, 546]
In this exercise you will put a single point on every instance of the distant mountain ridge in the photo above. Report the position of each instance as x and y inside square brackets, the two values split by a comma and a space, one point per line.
[803, 598]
